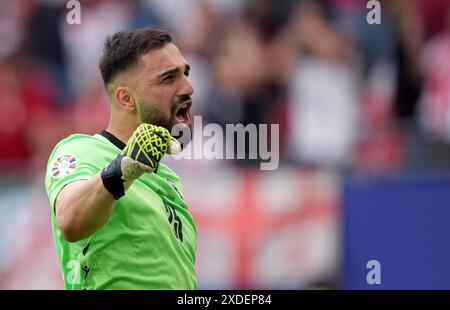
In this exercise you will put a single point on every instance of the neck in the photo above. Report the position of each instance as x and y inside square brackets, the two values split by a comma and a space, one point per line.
[121, 128]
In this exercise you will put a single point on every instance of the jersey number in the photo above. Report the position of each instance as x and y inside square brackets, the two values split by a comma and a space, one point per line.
[177, 224]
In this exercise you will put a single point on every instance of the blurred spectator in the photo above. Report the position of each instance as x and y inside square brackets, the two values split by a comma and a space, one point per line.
[28, 114]
[435, 101]
[83, 43]
[324, 97]
[45, 43]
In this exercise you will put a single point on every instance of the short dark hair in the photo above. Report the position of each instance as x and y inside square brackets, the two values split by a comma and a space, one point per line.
[122, 49]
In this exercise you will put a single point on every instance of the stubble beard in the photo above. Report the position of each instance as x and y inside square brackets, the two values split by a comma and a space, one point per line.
[152, 115]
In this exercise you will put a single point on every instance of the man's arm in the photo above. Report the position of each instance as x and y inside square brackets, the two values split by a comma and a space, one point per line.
[82, 207]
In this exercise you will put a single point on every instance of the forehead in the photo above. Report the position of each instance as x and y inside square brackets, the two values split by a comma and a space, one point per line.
[161, 59]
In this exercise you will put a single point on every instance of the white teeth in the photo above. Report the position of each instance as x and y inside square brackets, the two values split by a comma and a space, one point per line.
[182, 117]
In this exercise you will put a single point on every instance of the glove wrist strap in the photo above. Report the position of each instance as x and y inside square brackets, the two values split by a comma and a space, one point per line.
[112, 178]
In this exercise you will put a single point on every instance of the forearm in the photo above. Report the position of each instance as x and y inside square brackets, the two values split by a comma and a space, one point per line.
[82, 207]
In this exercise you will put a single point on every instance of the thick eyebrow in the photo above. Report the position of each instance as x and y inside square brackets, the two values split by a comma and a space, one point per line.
[174, 70]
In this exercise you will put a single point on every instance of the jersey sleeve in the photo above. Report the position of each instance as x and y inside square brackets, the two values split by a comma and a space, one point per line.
[70, 161]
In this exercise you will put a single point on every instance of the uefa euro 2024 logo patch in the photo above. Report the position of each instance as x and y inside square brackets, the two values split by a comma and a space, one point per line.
[63, 166]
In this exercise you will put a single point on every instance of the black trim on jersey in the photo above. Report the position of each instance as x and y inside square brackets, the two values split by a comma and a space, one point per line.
[112, 138]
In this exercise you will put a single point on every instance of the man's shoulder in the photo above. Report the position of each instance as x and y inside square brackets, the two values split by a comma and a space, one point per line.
[79, 140]
[77, 144]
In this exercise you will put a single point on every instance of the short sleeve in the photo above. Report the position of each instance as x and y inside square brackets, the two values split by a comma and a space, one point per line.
[70, 161]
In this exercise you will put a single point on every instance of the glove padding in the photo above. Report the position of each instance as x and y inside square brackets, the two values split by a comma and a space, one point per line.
[145, 149]
[142, 153]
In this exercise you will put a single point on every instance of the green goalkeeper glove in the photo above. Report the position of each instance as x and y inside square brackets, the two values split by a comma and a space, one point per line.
[142, 153]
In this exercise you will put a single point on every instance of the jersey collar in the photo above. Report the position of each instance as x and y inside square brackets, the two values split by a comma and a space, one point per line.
[112, 139]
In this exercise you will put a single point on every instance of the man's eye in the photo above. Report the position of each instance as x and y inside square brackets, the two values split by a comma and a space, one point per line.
[168, 78]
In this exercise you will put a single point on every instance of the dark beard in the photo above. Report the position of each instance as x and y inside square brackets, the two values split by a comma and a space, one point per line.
[151, 115]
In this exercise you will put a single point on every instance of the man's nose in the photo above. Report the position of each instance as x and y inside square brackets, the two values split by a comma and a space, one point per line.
[186, 88]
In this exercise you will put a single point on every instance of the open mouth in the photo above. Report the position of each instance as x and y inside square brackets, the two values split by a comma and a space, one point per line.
[182, 113]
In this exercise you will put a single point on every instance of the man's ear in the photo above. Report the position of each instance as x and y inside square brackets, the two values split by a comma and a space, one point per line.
[124, 98]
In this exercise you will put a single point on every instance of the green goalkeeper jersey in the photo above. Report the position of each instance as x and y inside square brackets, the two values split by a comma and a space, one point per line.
[149, 242]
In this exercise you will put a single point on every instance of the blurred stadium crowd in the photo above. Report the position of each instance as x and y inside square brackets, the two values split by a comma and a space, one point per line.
[350, 98]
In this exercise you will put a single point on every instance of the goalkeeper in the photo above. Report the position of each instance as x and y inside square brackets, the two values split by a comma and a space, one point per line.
[118, 215]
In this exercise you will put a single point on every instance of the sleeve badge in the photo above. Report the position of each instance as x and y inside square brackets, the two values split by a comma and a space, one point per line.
[63, 166]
